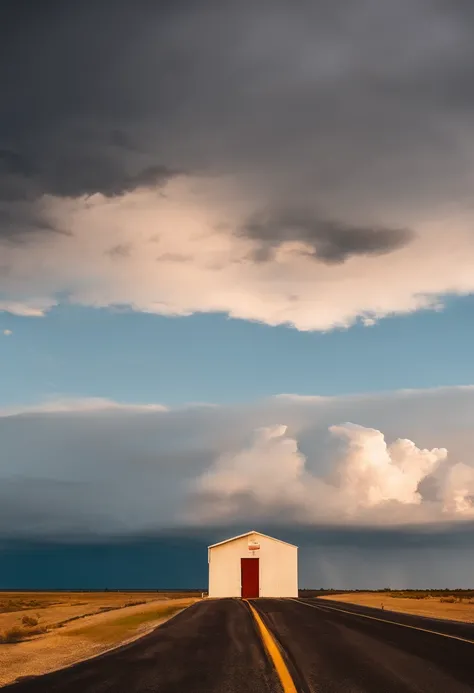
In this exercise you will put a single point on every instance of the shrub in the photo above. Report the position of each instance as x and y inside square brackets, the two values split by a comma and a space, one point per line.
[29, 621]
[38, 630]
[17, 634]
[13, 635]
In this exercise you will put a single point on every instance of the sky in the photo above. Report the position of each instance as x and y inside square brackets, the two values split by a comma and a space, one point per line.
[236, 288]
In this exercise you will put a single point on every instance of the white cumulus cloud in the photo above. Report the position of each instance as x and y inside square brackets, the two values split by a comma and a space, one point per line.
[459, 492]
[371, 472]
[181, 252]
[367, 478]
[72, 467]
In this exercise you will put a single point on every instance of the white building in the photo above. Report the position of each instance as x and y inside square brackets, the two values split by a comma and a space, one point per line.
[253, 565]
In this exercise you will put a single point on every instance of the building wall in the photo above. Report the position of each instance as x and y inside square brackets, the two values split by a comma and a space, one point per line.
[278, 567]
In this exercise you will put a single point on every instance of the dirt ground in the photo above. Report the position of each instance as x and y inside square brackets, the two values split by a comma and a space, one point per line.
[98, 622]
[429, 606]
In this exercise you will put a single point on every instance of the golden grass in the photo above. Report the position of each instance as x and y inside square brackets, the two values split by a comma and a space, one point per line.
[113, 621]
[120, 627]
[55, 609]
[435, 607]
[17, 634]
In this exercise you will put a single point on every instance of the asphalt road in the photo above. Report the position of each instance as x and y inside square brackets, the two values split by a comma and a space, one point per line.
[211, 647]
[215, 647]
[330, 651]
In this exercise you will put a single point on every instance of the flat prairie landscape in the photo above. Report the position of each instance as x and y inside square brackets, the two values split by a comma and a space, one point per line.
[456, 606]
[44, 631]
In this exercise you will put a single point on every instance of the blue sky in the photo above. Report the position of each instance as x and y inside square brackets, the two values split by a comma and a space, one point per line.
[136, 357]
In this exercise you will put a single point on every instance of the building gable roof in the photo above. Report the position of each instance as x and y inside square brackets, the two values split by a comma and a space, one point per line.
[247, 534]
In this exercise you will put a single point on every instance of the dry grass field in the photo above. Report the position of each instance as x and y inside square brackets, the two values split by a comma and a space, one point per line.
[41, 632]
[449, 606]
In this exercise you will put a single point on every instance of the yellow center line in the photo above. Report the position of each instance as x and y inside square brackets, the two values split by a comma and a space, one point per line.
[383, 620]
[274, 653]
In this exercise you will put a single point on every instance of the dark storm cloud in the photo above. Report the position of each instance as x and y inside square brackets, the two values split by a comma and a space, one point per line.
[14, 164]
[19, 219]
[82, 174]
[63, 500]
[331, 242]
[74, 171]
[360, 108]
[360, 558]
[67, 87]
[459, 535]
[162, 562]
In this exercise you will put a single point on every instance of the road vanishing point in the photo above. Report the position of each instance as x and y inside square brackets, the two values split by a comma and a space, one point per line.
[279, 646]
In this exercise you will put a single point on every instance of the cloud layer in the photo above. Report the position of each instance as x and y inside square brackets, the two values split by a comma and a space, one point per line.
[277, 163]
[94, 468]
[369, 482]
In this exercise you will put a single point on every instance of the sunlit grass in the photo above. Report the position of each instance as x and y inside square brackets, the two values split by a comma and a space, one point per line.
[456, 605]
[120, 627]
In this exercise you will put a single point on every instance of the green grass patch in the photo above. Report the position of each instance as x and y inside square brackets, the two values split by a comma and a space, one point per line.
[119, 628]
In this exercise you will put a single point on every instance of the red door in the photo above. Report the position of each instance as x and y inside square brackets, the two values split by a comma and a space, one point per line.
[250, 577]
